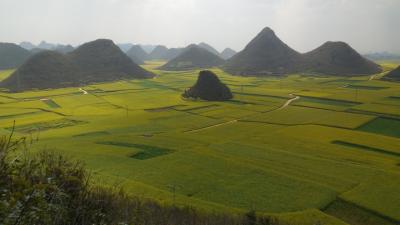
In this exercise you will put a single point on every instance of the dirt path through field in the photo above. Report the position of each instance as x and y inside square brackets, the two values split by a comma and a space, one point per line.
[287, 103]
[83, 91]
[372, 77]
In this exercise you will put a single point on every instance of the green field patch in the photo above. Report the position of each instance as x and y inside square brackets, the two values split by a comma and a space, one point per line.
[8, 97]
[242, 85]
[161, 109]
[41, 95]
[235, 113]
[364, 87]
[99, 92]
[260, 95]
[147, 151]
[92, 134]
[382, 110]
[240, 102]
[365, 147]
[42, 126]
[18, 115]
[356, 215]
[378, 194]
[340, 81]
[156, 85]
[51, 103]
[199, 108]
[383, 126]
[394, 98]
[299, 115]
[328, 101]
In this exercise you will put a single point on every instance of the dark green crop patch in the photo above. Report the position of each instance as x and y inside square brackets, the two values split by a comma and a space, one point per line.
[367, 148]
[52, 104]
[383, 126]
[364, 87]
[43, 126]
[147, 151]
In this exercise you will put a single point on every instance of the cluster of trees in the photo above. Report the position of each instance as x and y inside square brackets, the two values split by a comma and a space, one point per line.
[48, 189]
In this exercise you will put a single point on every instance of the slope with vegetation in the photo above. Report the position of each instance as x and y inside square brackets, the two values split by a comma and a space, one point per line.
[339, 58]
[12, 56]
[208, 48]
[208, 87]
[97, 61]
[266, 54]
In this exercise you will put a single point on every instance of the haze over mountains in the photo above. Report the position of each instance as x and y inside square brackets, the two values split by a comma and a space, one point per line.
[137, 54]
[96, 61]
[43, 45]
[161, 52]
[266, 54]
[377, 56]
[228, 53]
[194, 57]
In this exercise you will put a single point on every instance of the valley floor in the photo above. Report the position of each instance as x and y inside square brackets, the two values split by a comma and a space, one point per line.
[304, 148]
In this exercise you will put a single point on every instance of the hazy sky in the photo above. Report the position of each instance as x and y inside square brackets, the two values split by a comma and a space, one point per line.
[367, 25]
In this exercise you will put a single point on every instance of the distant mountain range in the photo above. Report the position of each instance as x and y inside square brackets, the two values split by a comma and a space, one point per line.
[137, 54]
[125, 46]
[381, 56]
[13, 55]
[96, 61]
[227, 53]
[46, 46]
[265, 55]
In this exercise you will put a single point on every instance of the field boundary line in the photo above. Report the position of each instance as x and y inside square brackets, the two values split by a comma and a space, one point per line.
[286, 104]
[212, 126]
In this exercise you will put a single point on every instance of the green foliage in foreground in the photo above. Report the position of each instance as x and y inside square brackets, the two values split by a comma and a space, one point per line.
[48, 189]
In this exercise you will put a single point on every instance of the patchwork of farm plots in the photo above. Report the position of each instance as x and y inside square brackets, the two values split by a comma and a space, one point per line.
[304, 148]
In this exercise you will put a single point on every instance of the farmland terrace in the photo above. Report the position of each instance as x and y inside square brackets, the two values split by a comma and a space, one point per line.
[308, 149]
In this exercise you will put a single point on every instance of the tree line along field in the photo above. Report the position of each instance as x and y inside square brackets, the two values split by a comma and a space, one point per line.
[307, 149]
